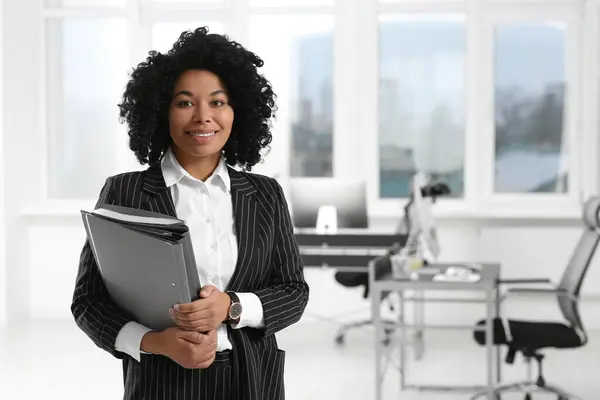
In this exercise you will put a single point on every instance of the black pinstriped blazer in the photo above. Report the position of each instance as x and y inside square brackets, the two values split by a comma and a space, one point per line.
[268, 265]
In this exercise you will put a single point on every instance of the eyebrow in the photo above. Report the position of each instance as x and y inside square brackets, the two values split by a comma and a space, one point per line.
[190, 94]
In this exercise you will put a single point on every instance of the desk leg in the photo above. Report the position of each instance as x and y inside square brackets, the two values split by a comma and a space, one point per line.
[419, 317]
[402, 341]
[489, 340]
[498, 348]
[376, 315]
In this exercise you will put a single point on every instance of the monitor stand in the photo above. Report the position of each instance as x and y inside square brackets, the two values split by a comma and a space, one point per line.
[327, 220]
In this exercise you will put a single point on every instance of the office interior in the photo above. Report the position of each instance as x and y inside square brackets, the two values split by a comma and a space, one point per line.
[497, 99]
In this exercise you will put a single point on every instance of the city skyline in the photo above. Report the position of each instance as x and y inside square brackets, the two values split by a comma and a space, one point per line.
[422, 87]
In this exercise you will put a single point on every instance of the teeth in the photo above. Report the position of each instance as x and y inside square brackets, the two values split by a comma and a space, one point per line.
[202, 134]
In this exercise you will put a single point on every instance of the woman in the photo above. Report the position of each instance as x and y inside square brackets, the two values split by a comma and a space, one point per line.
[193, 113]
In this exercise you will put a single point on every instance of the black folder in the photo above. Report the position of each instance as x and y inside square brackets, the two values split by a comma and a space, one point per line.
[146, 261]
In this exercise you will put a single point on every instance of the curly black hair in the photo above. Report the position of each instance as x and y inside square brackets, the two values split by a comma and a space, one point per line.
[145, 104]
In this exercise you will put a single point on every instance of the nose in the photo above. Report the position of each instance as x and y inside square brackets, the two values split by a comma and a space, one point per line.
[202, 113]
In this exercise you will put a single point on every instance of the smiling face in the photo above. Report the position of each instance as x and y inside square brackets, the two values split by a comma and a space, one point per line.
[200, 117]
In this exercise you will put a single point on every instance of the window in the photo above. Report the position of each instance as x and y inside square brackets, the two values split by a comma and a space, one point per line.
[164, 34]
[299, 64]
[489, 97]
[186, 1]
[85, 3]
[413, 2]
[421, 101]
[531, 154]
[87, 65]
[288, 3]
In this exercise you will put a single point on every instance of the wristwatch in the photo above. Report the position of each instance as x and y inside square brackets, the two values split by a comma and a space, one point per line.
[235, 309]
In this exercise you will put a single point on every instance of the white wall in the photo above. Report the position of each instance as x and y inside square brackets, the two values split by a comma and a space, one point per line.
[2, 194]
[23, 150]
[538, 249]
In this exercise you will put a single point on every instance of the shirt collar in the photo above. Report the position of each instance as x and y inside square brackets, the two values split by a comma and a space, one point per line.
[173, 173]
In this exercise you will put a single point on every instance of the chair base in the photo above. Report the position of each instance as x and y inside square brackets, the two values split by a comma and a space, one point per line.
[527, 388]
[341, 333]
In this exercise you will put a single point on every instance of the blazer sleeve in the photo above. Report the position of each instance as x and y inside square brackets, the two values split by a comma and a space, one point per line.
[93, 310]
[286, 294]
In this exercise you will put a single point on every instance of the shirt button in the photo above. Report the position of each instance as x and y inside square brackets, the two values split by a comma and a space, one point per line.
[213, 246]
[208, 220]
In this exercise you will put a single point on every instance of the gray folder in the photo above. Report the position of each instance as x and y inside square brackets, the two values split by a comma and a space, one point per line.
[146, 261]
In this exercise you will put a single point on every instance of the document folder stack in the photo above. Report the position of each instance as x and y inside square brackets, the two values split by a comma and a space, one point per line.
[146, 261]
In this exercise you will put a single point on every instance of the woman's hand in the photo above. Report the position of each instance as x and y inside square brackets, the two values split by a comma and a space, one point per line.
[189, 349]
[204, 314]
[191, 352]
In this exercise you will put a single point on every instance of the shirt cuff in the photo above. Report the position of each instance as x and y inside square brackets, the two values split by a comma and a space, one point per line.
[129, 339]
[252, 312]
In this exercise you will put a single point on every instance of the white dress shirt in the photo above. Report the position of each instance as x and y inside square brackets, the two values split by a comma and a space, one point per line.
[207, 209]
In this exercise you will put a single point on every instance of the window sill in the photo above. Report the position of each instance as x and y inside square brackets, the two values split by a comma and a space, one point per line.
[448, 213]
[60, 211]
[507, 213]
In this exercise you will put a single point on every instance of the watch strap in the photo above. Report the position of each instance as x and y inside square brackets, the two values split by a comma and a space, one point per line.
[234, 300]
[234, 297]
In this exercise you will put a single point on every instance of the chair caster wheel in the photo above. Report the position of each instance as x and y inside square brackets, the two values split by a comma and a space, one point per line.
[562, 398]
[389, 332]
[527, 396]
[339, 340]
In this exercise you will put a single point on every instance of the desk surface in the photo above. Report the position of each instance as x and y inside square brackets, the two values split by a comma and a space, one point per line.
[364, 239]
[347, 231]
[490, 272]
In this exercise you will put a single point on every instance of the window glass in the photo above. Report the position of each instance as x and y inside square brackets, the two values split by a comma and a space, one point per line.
[530, 143]
[288, 3]
[164, 34]
[87, 66]
[299, 64]
[421, 101]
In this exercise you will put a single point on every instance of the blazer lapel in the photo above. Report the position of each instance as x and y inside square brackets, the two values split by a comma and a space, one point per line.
[159, 198]
[245, 208]
[250, 218]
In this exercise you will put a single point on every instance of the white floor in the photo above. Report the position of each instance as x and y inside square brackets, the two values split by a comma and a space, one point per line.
[53, 360]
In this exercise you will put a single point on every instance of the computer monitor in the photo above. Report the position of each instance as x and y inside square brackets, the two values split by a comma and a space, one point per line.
[422, 226]
[348, 196]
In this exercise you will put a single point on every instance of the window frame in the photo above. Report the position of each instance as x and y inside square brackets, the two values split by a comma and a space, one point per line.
[141, 15]
[46, 88]
[479, 200]
[500, 14]
[355, 142]
[393, 207]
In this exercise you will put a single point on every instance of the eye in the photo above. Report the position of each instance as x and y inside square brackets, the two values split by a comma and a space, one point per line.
[218, 103]
[184, 103]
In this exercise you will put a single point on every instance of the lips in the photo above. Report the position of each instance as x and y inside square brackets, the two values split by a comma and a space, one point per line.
[202, 133]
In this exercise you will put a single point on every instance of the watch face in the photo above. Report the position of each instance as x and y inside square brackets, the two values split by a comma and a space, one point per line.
[235, 311]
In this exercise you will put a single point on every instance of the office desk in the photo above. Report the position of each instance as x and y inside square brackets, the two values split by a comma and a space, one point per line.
[488, 285]
[349, 254]
[359, 238]
[347, 251]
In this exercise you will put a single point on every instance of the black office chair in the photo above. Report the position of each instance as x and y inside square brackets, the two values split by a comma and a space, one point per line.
[529, 337]
[354, 279]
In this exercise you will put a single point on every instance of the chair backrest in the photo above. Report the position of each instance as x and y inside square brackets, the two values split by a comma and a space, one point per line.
[578, 265]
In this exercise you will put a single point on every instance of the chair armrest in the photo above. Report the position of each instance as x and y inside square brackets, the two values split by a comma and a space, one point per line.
[540, 292]
[523, 281]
